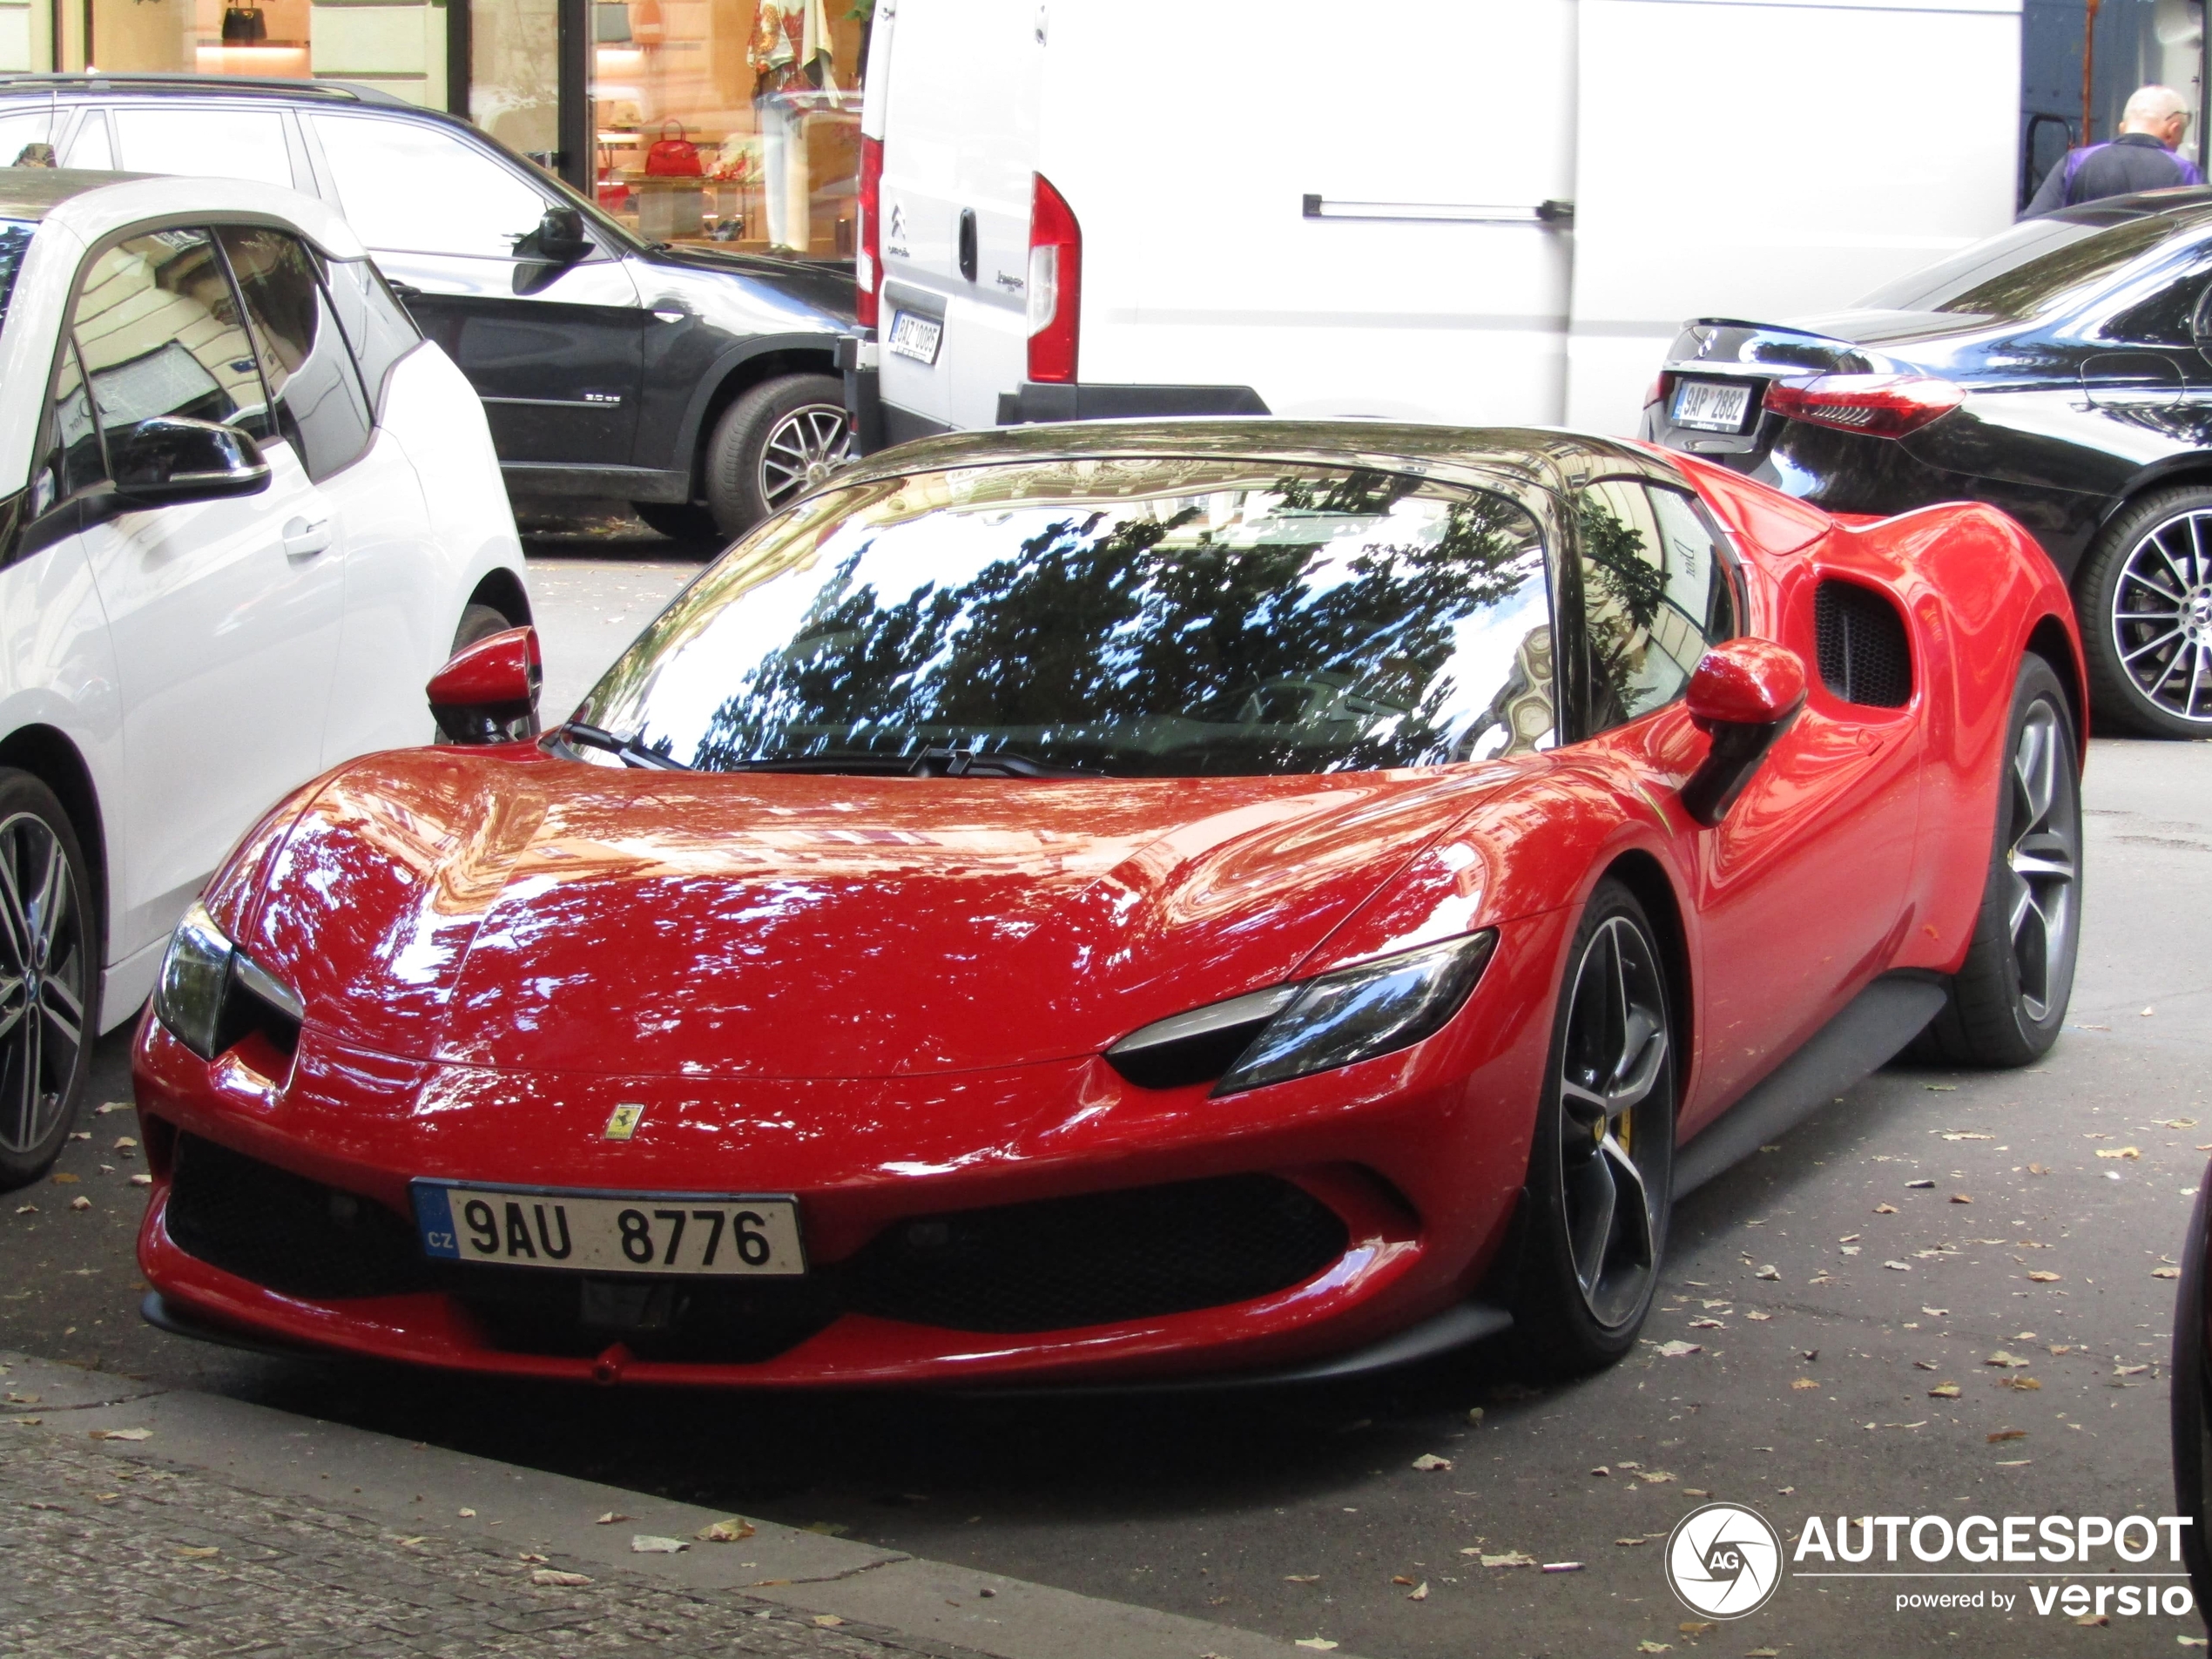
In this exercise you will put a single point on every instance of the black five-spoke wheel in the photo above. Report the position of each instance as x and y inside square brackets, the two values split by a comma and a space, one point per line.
[1602, 1168]
[45, 978]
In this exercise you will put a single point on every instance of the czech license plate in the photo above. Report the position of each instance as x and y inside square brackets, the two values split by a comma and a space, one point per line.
[596, 1232]
[1711, 405]
[916, 336]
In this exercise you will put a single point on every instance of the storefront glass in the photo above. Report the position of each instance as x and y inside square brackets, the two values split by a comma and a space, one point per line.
[731, 121]
[399, 46]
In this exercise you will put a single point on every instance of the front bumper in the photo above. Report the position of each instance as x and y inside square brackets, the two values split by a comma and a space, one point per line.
[1404, 1172]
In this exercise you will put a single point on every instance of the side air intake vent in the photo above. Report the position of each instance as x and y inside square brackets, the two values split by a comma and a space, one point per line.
[1864, 657]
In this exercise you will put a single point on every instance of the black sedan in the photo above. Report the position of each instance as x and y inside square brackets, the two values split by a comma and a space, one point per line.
[2061, 370]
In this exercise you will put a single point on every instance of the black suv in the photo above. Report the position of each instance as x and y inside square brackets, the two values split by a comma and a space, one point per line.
[699, 385]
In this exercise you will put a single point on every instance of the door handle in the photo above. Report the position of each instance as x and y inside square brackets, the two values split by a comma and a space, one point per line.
[303, 538]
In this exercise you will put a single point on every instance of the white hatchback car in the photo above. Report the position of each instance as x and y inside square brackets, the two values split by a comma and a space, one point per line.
[246, 511]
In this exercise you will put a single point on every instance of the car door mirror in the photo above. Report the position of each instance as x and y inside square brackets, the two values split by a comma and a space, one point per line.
[558, 240]
[488, 693]
[1744, 693]
[171, 458]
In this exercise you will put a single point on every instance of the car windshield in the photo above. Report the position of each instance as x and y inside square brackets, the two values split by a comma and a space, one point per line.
[15, 242]
[2019, 273]
[1166, 618]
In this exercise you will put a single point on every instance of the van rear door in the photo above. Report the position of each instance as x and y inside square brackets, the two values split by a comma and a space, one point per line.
[960, 142]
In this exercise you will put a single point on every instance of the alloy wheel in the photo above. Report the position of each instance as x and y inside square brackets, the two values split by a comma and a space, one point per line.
[804, 447]
[1615, 1064]
[2162, 616]
[43, 969]
[2044, 856]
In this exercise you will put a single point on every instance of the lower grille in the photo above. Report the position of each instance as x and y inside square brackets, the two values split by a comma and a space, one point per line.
[1098, 1259]
[1054, 1264]
[295, 1236]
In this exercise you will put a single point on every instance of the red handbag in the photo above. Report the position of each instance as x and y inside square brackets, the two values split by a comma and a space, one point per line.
[676, 157]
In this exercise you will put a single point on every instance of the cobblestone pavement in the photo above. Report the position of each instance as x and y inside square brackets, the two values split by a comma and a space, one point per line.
[102, 1557]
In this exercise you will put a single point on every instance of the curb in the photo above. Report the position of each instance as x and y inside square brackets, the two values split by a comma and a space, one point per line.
[421, 1487]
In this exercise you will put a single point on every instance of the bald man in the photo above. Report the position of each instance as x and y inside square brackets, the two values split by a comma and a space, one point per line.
[2141, 158]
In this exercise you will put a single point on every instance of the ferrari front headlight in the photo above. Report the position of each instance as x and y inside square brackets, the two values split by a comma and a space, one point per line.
[210, 993]
[1357, 1012]
[195, 979]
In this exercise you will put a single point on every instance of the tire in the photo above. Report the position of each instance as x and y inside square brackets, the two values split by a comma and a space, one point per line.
[48, 978]
[477, 622]
[2008, 1003]
[1596, 1208]
[680, 521]
[2191, 1405]
[2144, 596]
[771, 445]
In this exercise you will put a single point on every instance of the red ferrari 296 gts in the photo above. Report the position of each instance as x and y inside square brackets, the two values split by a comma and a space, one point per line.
[1120, 904]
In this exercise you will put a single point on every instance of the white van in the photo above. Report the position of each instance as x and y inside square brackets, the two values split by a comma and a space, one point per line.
[1464, 211]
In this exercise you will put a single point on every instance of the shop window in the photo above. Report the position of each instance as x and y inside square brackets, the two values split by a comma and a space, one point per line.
[321, 408]
[733, 121]
[399, 46]
[211, 142]
[477, 207]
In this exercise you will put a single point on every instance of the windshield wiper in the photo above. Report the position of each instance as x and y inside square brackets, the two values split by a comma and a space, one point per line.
[632, 752]
[929, 763]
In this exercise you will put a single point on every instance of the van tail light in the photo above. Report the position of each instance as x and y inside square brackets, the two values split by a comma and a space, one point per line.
[867, 259]
[1882, 406]
[1055, 284]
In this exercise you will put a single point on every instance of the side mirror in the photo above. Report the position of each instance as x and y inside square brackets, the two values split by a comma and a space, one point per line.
[488, 693]
[558, 240]
[170, 459]
[1745, 692]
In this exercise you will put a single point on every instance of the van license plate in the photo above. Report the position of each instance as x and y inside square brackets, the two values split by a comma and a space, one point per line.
[599, 1232]
[1711, 405]
[916, 336]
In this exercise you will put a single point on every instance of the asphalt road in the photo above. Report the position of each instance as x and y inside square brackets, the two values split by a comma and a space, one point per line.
[1302, 1515]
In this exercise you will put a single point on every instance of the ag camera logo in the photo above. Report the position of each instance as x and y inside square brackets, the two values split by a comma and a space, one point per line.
[1724, 1561]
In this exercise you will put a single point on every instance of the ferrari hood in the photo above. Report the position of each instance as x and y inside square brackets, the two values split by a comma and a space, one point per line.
[483, 910]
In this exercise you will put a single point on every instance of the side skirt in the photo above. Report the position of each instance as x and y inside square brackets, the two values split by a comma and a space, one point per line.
[1873, 1027]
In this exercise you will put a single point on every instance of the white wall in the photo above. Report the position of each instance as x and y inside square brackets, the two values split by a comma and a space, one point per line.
[1768, 158]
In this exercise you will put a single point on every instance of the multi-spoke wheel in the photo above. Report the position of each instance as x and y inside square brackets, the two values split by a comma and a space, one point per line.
[2008, 1000]
[1602, 1168]
[46, 978]
[773, 444]
[2145, 599]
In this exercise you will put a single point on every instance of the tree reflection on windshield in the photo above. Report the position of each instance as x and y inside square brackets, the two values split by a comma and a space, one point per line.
[1310, 622]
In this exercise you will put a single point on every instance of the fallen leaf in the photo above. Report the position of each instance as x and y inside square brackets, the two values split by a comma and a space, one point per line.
[1695, 1627]
[1944, 1391]
[1769, 1271]
[1419, 1593]
[197, 1552]
[2098, 1618]
[828, 1621]
[645, 1543]
[1562, 1567]
[1707, 1325]
[1304, 1578]
[554, 1577]
[120, 1435]
[1656, 1477]
[1319, 1644]
[2039, 1169]
[2129, 1371]
[1919, 1183]
[612, 1517]
[1937, 1313]
[103, 1110]
[1676, 1350]
[1941, 1089]
[1474, 1415]
[1511, 1558]
[2166, 1272]
[1401, 1578]
[2061, 1347]
[1600, 1470]
[2119, 1152]
[1804, 1382]
[1654, 1646]
[26, 1209]
[826, 1528]
[1965, 1135]
[1760, 1318]
[466, 1514]
[1629, 1543]
[1925, 1364]
[80, 1202]
[142, 1179]
[2178, 1123]
[2007, 1435]
[1428, 1462]
[1884, 1209]
[2042, 1278]
[1762, 1653]
[2024, 1384]
[2001, 1358]
[65, 1180]
[1899, 1267]
[725, 1532]
[1961, 1198]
